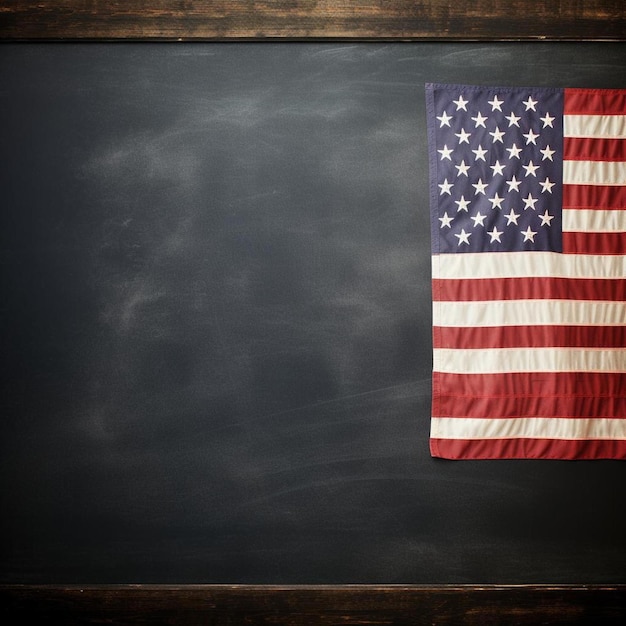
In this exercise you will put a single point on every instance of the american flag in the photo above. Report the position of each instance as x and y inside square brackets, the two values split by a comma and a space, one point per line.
[528, 220]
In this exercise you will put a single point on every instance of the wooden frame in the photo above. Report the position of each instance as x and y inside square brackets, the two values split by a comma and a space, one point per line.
[316, 605]
[199, 20]
[309, 20]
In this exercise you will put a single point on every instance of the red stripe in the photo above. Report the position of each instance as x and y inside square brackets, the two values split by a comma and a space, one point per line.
[513, 406]
[594, 197]
[539, 288]
[590, 149]
[527, 449]
[529, 337]
[594, 243]
[593, 384]
[594, 101]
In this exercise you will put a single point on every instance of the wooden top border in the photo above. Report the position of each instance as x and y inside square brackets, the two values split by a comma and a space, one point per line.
[305, 20]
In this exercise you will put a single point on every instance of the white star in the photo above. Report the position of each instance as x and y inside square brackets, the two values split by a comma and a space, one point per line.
[444, 119]
[495, 103]
[497, 135]
[462, 168]
[531, 168]
[546, 218]
[480, 187]
[480, 153]
[530, 104]
[514, 184]
[546, 185]
[530, 137]
[497, 168]
[513, 119]
[462, 204]
[512, 218]
[514, 151]
[478, 219]
[445, 220]
[460, 103]
[495, 235]
[463, 136]
[445, 187]
[529, 235]
[480, 120]
[529, 202]
[496, 201]
[463, 237]
[445, 153]
[547, 120]
[547, 153]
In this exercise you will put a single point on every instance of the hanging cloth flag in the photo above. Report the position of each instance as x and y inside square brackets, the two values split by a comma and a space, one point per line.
[528, 220]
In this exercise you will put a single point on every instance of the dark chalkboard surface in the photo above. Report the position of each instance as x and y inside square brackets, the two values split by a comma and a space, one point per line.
[216, 347]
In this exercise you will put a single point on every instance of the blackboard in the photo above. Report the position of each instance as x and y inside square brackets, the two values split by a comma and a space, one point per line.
[216, 324]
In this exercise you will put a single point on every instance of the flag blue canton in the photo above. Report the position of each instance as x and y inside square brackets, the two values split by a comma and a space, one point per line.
[496, 168]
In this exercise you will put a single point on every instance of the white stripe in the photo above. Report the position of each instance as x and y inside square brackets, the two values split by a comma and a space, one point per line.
[528, 428]
[518, 264]
[594, 173]
[594, 221]
[602, 126]
[499, 360]
[471, 314]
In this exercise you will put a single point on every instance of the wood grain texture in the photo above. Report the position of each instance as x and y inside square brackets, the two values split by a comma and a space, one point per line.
[310, 606]
[192, 20]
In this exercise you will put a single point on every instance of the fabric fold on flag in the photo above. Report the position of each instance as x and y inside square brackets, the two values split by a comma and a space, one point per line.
[528, 230]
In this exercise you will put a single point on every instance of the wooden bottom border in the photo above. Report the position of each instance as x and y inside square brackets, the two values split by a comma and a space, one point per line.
[314, 605]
